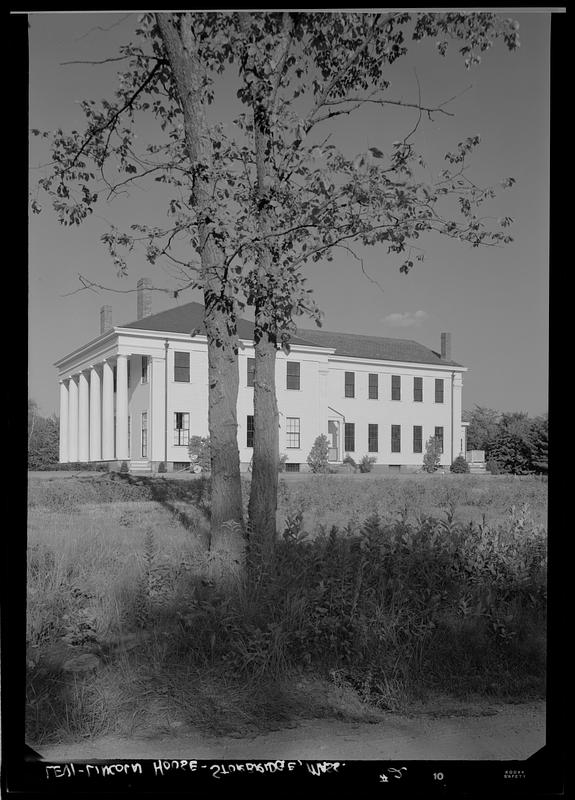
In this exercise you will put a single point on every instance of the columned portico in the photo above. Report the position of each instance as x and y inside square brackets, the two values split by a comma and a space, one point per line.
[63, 421]
[72, 419]
[95, 415]
[122, 407]
[107, 412]
[83, 418]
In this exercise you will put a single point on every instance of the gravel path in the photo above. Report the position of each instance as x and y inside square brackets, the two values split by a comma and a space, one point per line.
[497, 732]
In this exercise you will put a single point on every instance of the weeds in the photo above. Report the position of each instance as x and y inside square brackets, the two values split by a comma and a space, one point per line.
[383, 606]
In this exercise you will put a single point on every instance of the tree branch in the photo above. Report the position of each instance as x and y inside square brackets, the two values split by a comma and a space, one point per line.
[111, 121]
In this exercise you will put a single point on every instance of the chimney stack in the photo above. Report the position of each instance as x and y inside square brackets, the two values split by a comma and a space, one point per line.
[106, 319]
[144, 298]
[446, 346]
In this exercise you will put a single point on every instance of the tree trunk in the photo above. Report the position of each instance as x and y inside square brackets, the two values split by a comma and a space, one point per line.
[227, 541]
[264, 489]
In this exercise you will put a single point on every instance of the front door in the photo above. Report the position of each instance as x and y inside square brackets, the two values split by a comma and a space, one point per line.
[333, 434]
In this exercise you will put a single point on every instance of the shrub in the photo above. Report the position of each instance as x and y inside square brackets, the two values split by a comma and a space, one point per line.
[349, 461]
[460, 465]
[124, 467]
[492, 466]
[199, 450]
[318, 456]
[366, 463]
[432, 455]
[282, 462]
[162, 467]
[77, 466]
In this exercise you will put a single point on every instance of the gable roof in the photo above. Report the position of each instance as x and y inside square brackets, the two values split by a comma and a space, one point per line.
[190, 316]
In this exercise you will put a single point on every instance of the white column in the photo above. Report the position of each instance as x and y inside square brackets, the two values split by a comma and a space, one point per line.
[157, 415]
[72, 419]
[83, 418]
[63, 422]
[122, 408]
[95, 415]
[107, 412]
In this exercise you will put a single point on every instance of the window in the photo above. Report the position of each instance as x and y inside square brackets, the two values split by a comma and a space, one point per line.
[373, 387]
[292, 432]
[372, 444]
[144, 369]
[115, 376]
[129, 433]
[251, 371]
[418, 390]
[439, 390]
[349, 436]
[144, 429]
[350, 384]
[181, 428]
[396, 387]
[292, 467]
[396, 438]
[250, 431]
[292, 375]
[181, 367]
[129, 371]
[439, 438]
[417, 439]
[180, 466]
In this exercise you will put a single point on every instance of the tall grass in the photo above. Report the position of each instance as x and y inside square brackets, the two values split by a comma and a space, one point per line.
[380, 608]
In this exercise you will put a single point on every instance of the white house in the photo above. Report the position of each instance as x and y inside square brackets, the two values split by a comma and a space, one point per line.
[138, 391]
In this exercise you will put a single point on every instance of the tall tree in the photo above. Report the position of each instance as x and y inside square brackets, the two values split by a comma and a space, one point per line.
[483, 427]
[255, 201]
[539, 441]
[300, 73]
[43, 438]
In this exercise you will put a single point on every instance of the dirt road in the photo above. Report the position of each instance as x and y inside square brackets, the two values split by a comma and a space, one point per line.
[494, 732]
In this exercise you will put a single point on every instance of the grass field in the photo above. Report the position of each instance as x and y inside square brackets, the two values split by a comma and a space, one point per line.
[384, 591]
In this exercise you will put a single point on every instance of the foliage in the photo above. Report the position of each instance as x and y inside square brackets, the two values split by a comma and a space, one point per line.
[432, 455]
[350, 461]
[78, 466]
[483, 427]
[539, 444]
[124, 467]
[282, 462]
[512, 441]
[199, 450]
[366, 463]
[419, 605]
[459, 465]
[43, 438]
[492, 466]
[318, 455]
[162, 467]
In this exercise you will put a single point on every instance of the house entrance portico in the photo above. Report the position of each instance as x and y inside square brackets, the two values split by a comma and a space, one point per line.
[94, 412]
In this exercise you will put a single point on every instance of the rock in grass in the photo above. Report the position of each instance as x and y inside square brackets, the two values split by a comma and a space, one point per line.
[87, 662]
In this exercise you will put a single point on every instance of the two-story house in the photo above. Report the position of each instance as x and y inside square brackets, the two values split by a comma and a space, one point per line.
[139, 391]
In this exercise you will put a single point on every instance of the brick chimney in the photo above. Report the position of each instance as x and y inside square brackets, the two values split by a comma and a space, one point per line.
[446, 346]
[106, 319]
[144, 298]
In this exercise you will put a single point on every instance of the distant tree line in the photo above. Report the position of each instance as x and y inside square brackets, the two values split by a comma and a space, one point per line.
[513, 442]
[43, 438]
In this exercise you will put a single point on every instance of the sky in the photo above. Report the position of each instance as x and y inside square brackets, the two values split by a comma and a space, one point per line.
[494, 301]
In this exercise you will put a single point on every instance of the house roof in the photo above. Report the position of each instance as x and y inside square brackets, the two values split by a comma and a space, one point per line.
[376, 347]
[190, 316]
